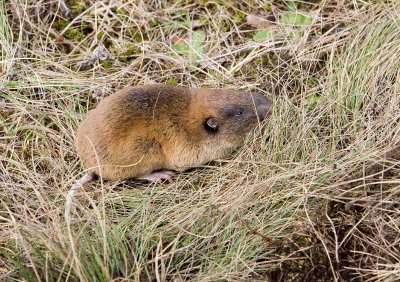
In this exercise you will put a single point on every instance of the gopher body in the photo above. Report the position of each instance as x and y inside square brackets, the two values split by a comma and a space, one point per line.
[142, 129]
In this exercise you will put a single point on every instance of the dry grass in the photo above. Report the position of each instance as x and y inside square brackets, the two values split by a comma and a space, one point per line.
[315, 198]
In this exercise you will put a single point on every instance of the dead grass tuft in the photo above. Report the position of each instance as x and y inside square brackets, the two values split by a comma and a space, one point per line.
[315, 197]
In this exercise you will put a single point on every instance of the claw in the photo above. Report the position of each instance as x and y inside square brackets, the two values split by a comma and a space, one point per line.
[159, 176]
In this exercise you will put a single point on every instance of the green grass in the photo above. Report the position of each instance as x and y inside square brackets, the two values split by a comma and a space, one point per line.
[315, 197]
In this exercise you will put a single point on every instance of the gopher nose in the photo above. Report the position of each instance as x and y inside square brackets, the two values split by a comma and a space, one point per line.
[263, 106]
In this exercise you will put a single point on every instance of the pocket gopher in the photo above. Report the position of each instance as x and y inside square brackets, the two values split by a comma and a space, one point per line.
[147, 132]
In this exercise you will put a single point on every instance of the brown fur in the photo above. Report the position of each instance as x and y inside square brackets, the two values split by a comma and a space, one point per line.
[141, 129]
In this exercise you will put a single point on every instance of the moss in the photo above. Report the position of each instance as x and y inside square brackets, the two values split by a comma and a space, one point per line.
[205, 21]
[100, 35]
[129, 54]
[86, 28]
[59, 25]
[74, 34]
[171, 81]
[224, 28]
[153, 22]
[115, 10]
[76, 6]
[239, 17]
[106, 64]
[303, 241]
[203, 3]
[267, 7]
[135, 35]
[109, 43]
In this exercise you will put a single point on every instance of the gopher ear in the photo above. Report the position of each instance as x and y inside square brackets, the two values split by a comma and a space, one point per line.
[211, 125]
[212, 122]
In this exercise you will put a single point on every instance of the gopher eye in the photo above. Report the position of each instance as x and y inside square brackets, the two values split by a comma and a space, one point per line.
[239, 113]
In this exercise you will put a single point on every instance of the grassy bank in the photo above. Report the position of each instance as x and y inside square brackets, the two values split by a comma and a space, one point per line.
[313, 198]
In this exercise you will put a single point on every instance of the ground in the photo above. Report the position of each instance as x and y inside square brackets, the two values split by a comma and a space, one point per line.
[315, 197]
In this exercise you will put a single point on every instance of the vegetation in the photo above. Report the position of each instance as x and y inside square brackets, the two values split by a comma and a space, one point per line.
[314, 197]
